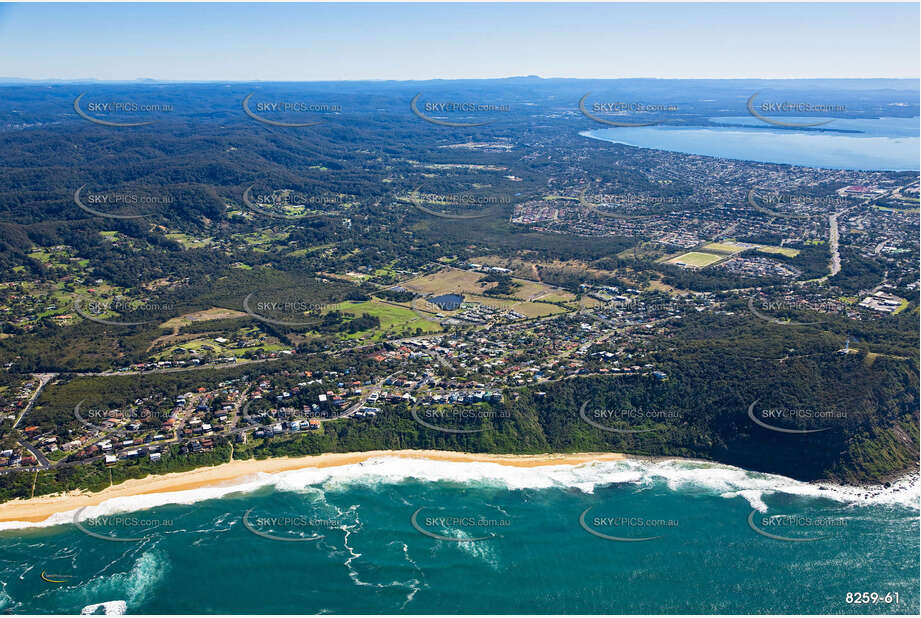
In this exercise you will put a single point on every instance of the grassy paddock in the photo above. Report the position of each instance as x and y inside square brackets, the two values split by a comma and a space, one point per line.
[697, 259]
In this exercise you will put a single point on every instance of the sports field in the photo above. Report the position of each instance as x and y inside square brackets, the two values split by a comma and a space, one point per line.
[696, 259]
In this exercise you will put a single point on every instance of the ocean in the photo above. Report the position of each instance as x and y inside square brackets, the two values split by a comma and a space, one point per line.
[852, 144]
[396, 535]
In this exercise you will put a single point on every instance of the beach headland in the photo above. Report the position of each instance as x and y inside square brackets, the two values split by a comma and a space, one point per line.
[41, 508]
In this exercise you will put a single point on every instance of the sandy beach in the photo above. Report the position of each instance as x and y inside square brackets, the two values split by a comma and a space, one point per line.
[42, 507]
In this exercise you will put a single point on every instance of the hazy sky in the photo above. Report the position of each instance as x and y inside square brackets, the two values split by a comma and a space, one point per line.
[421, 41]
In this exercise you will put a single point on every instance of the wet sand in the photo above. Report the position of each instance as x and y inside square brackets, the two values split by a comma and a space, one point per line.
[42, 507]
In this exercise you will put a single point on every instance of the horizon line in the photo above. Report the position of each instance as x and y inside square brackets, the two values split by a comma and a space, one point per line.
[81, 80]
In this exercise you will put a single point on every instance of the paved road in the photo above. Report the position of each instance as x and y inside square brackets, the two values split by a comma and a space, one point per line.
[441, 360]
[42, 460]
[43, 379]
[835, 266]
[239, 363]
[364, 397]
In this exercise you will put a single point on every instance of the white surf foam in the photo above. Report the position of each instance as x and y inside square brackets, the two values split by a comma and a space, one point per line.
[5, 599]
[135, 587]
[678, 474]
[111, 608]
[147, 501]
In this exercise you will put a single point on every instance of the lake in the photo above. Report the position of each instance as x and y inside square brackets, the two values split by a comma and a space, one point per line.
[852, 144]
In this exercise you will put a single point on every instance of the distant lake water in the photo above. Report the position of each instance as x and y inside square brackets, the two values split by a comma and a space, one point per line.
[852, 144]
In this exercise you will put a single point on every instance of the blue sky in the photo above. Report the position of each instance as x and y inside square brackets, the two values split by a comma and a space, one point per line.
[421, 41]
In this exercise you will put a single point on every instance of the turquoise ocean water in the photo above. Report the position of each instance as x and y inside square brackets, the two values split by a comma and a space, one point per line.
[855, 144]
[414, 536]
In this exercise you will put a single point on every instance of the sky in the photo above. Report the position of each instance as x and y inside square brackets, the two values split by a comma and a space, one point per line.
[304, 42]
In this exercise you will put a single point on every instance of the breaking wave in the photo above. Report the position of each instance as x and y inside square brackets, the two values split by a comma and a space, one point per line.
[680, 475]
[108, 608]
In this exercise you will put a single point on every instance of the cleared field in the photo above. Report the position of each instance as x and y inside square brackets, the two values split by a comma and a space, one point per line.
[537, 310]
[215, 313]
[166, 340]
[466, 282]
[208, 344]
[658, 286]
[557, 297]
[531, 290]
[520, 268]
[531, 310]
[909, 209]
[41, 256]
[787, 251]
[526, 308]
[643, 250]
[696, 259]
[302, 252]
[589, 302]
[189, 242]
[726, 247]
[447, 281]
[394, 319]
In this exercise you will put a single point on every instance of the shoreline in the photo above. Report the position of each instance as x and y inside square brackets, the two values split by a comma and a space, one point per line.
[40, 508]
